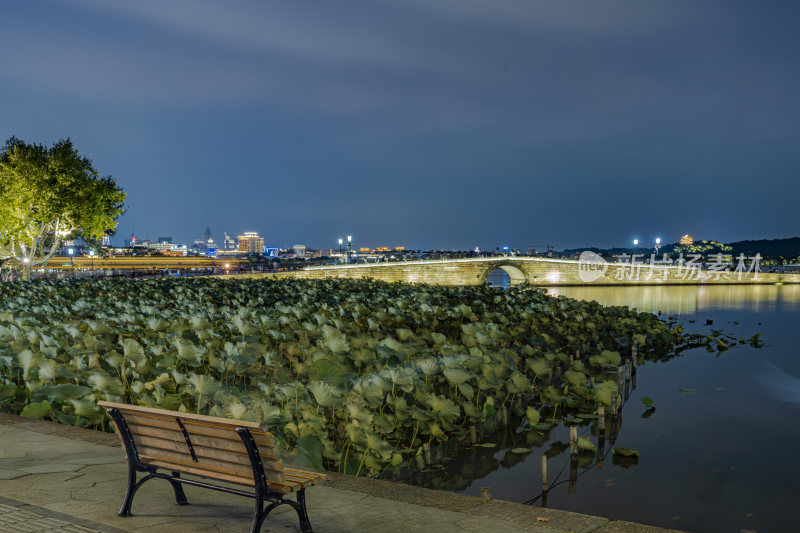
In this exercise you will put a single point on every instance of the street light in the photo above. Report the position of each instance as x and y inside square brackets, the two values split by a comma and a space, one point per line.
[91, 254]
[71, 251]
[658, 244]
[349, 247]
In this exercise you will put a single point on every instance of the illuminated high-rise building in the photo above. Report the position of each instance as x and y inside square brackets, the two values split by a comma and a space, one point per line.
[251, 243]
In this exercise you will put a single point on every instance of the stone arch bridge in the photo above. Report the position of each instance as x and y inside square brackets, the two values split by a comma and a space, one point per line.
[534, 270]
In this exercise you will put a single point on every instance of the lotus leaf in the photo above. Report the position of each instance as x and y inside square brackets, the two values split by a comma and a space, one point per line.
[444, 407]
[532, 415]
[324, 394]
[36, 410]
[539, 366]
[456, 376]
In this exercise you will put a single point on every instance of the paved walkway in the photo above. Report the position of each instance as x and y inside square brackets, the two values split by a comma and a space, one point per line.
[66, 479]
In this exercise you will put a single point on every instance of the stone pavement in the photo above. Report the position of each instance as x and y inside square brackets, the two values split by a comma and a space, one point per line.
[65, 479]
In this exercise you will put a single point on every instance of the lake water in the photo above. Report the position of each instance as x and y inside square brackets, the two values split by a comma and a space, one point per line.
[721, 451]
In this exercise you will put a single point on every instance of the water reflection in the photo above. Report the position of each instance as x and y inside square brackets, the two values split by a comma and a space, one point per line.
[688, 300]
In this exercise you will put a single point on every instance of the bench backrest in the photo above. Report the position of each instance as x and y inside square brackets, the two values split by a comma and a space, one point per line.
[201, 445]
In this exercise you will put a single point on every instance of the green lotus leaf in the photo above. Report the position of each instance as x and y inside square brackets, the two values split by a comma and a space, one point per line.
[189, 352]
[436, 431]
[456, 376]
[203, 385]
[539, 366]
[133, 351]
[625, 452]
[89, 410]
[438, 338]
[613, 358]
[158, 324]
[9, 390]
[444, 407]
[585, 445]
[428, 366]
[575, 378]
[466, 390]
[532, 415]
[36, 410]
[26, 360]
[60, 393]
[308, 452]
[324, 394]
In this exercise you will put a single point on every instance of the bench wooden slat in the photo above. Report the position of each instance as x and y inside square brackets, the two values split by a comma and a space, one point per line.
[146, 452]
[200, 440]
[206, 459]
[276, 486]
[213, 420]
[313, 476]
[228, 433]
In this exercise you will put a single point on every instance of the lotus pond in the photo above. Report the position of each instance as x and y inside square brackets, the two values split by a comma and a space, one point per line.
[714, 428]
[349, 375]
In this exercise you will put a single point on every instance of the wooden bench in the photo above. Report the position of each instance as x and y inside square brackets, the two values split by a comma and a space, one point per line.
[232, 451]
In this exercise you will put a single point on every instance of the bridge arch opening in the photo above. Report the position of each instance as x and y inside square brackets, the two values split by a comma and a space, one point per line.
[505, 276]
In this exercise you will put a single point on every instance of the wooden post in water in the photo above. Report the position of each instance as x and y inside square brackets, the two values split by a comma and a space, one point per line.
[473, 435]
[544, 473]
[614, 403]
[573, 474]
[627, 370]
[573, 440]
[620, 378]
[601, 444]
[601, 418]
[504, 410]
[426, 447]
[486, 493]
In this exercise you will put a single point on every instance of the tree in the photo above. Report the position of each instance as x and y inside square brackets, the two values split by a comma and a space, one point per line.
[48, 195]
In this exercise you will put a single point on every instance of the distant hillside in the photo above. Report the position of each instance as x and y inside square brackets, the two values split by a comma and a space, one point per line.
[775, 247]
[786, 248]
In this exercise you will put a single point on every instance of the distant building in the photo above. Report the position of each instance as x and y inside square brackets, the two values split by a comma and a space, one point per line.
[176, 249]
[687, 240]
[165, 239]
[251, 243]
[299, 250]
[228, 242]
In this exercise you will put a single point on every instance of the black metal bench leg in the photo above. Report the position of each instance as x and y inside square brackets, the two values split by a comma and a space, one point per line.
[302, 513]
[180, 497]
[125, 510]
[259, 516]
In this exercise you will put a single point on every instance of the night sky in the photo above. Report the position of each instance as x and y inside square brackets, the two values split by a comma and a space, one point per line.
[429, 124]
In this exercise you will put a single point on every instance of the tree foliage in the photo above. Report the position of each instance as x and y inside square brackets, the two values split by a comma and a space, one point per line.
[49, 194]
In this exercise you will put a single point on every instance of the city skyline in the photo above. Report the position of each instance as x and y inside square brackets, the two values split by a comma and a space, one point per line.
[444, 126]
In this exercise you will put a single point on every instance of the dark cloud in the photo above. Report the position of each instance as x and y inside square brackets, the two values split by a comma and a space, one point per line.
[430, 124]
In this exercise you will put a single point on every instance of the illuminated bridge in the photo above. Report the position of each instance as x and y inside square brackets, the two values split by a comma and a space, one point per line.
[534, 270]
